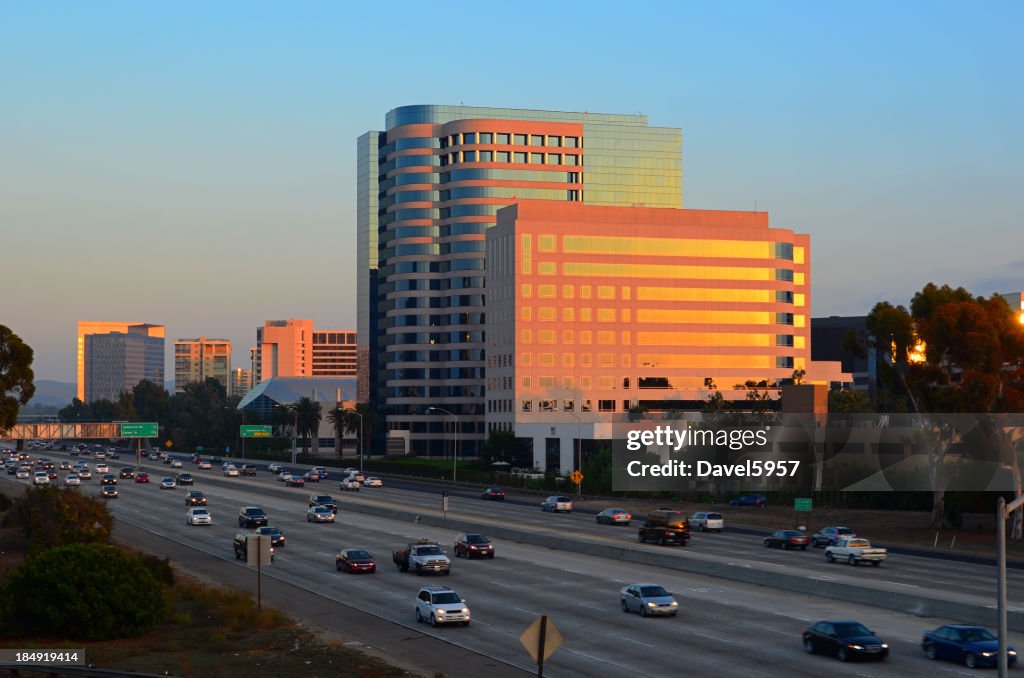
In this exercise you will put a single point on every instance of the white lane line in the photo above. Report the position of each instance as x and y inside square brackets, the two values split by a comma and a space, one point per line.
[566, 569]
[791, 616]
[706, 635]
[781, 633]
[592, 607]
[328, 555]
[526, 611]
[637, 642]
[896, 583]
[498, 583]
[477, 621]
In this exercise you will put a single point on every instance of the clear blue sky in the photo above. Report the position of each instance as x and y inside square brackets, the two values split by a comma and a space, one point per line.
[193, 163]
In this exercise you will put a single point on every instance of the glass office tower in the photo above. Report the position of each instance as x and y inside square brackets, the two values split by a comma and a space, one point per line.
[429, 187]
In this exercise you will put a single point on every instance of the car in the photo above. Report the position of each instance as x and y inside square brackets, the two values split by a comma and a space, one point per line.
[441, 605]
[230, 470]
[472, 545]
[354, 561]
[322, 472]
[240, 544]
[100, 454]
[195, 498]
[787, 539]
[493, 494]
[323, 500]
[647, 600]
[40, 478]
[204, 465]
[102, 468]
[108, 492]
[275, 468]
[65, 466]
[84, 473]
[349, 484]
[295, 481]
[72, 481]
[52, 475]
[373, 481]
[664, 526]
[311, 477]
[845, 639]
[252, 516]
[166, 459]
[707, 521]
[972, 645]
[556, 504]
[750, 500]
[167, 483]
[198, 516]
[176, 464]
[276, 535]
[185, 479]
[12, 469]
[142, 478]
[613, 516]
[22, 474]
[283, 476]
[113, 454]
[248, 470]
[319, 514]
[108, 479]
[127, 472]
[830, 536]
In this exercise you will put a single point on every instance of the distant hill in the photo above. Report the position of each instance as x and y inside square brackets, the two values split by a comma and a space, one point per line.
[53, 393]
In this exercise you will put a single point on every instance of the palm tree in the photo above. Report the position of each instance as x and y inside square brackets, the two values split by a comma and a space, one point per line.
[307, 415]
[337, 418]
[363, 421]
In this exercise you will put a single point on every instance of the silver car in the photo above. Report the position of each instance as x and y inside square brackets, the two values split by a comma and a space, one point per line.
[198, 515]
[319, 514]
[441, 605]
[556, 504]
[648, 599]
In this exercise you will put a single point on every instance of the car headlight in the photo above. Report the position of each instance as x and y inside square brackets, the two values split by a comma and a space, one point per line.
[1012, 652]
[440, 612]
[465, 610]
[855, 647]
[651, 605]
[885, 646]
[987, 654]
[674, 603]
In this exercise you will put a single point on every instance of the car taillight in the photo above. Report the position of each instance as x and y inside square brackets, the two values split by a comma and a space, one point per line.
[629, 517]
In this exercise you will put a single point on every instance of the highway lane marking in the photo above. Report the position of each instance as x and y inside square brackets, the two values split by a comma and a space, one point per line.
[706, 635]
[739, 565]
[592, 607]
[498, 583]
[896, 583]
[791, 616]
[637, 642]
[526, 611]
[781, 633]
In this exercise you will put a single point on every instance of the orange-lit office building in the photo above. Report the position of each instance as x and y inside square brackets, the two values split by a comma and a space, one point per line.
[114, 356]
[594, 310]
[293, 348]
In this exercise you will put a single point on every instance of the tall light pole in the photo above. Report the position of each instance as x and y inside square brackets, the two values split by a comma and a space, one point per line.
[1003, 513]
[353, 411]
[455, 459]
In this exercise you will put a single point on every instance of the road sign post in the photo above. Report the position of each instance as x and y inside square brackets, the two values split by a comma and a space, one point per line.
[258, 553]
[577, 478]
[444, 503]
[802, 505]
[541, 640]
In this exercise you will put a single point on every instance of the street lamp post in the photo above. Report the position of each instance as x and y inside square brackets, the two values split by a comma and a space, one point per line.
[579, 453]
[353, 411]
[455, 459]
[1003, 513]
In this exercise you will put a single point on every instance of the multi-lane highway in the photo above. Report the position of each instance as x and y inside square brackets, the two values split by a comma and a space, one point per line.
[724, 628]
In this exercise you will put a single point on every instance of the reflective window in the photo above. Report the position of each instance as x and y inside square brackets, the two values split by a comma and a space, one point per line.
[469, 138]
[519, 157]
[519, 140]
[554, 158]
[554, 141]
[501, 139]
[486, 138]
[486, 156]
[570, 160]
[503, 156]
[536, 139]
[571, 142]
[536, 158]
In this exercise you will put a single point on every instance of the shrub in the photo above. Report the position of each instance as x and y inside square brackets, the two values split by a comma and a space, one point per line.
[48, 517]
[84, 591]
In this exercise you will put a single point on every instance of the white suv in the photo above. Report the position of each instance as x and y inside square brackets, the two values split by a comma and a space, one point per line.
[441, 605]
[706, 521]
[198, 515]
[556, 504]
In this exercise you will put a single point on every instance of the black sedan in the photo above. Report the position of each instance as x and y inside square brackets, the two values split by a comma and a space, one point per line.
[845, 639]
[830, 536]
[494, 494]
[787, 539]
[184, 479]
[109, 492]
[972, 645]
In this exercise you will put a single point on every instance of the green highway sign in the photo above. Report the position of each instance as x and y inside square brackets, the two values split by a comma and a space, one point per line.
[139, 430]
[803, 505]
[255, 431]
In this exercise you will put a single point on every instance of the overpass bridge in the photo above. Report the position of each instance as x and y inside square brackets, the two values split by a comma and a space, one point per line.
[62, 431]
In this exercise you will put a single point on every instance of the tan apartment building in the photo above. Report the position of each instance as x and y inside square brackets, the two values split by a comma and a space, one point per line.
[196, 360]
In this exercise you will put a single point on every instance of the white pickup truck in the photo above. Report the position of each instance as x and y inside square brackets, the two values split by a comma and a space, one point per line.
[855, 550]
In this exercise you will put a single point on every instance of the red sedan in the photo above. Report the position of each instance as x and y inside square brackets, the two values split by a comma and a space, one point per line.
[355, 560]
[142, 478]
[788, 539]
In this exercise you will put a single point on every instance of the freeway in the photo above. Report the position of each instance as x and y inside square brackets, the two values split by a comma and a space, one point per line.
[724, 628]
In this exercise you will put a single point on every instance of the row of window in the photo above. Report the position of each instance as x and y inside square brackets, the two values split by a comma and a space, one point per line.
[508, 139]
[517, 157]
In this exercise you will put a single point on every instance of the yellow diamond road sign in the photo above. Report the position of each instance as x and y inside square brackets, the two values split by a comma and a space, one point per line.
[577, 477]
[531, 639]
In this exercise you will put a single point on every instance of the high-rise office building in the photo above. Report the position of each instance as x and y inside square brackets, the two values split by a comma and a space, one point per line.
[293, 348]
[429, 187]
[241, 382]
[88, 328]
[594, 311]
[114, 361]
[196, 360]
